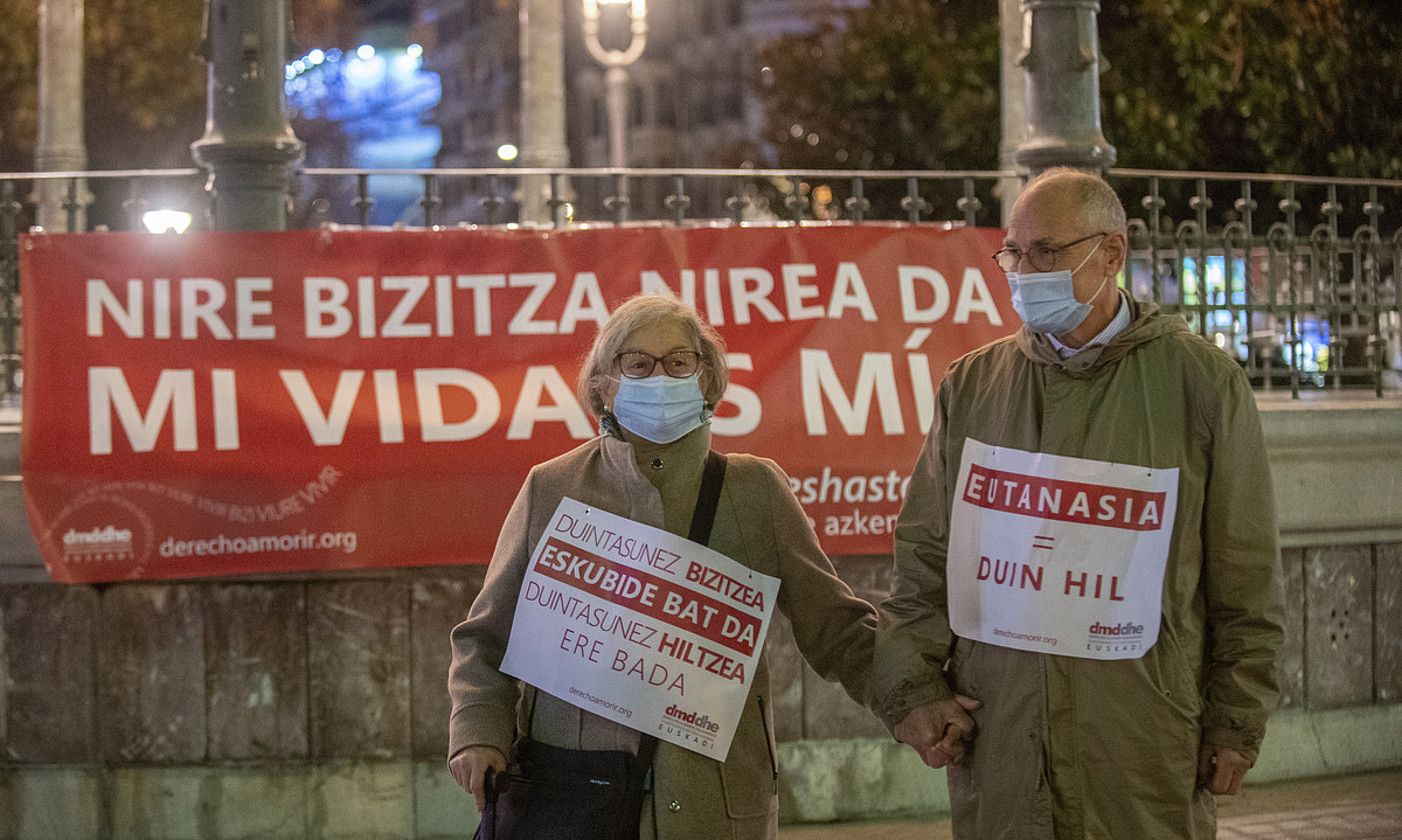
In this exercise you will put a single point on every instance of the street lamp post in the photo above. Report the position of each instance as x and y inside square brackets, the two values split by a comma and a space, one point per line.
[542, 24]
[1061, 56]
[60, 141]
[248, 145]
[616, 68]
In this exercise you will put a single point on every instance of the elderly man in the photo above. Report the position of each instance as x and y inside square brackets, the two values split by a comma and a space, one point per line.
[1087, 611]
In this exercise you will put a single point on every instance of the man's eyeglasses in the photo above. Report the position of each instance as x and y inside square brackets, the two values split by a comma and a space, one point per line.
[678, 364]
[1042, 256]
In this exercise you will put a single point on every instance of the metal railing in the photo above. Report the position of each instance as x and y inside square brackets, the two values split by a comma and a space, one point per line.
[1296, 276]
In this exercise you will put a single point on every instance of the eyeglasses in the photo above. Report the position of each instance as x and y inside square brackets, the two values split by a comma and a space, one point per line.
[1041, 256]
[678, 364]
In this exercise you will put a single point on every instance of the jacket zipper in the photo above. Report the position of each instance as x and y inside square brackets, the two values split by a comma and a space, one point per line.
[768, 744]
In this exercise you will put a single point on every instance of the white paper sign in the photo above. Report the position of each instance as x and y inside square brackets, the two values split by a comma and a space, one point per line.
[1059, 555]
[641, 626]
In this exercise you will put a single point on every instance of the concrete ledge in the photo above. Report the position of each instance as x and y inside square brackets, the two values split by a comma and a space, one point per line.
[198, 803]
[820, 781]
[834, 781]
[44, 804]
[442, 810]
[1340, 537]
[1337, 468]
[361, 801]
[1303, 744]
[841, 780]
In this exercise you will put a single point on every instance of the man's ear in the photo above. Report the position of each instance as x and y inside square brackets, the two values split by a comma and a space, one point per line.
[1116, 248]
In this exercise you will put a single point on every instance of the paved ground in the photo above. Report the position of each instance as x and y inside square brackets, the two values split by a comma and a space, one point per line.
[1367, 807]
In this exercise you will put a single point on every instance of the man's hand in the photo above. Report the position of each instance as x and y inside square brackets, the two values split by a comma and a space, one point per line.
[937, 731]
[1221, 769]
[469, 768]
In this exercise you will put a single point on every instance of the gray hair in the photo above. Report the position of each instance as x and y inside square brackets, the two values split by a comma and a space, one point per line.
[640, 311]
[1097, 200]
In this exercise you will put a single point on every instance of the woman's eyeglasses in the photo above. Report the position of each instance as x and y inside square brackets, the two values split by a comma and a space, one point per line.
[678, 364]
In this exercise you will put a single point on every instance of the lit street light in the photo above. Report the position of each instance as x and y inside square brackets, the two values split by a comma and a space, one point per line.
[166, 221]
[616, 62]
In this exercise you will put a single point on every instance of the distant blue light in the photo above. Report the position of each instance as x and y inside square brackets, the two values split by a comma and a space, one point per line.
[381, 105]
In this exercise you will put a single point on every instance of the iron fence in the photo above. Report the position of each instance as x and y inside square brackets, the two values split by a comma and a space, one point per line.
[1296, 276]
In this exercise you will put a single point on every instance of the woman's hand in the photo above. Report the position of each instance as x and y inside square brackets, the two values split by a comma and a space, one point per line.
[469, 769]
[939, 730]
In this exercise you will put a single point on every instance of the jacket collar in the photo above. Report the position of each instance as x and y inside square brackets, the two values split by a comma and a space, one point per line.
[634, 460]
[1146, 324]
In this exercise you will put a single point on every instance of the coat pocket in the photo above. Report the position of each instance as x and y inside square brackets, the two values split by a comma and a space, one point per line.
[960, 671]
[1174, 676]
[750, 772]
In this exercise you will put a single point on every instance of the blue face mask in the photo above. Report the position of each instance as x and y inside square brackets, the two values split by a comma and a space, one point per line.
[1046, 300]
[661, 409]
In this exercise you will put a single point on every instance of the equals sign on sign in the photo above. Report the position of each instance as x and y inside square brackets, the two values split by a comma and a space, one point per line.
[1047, 543]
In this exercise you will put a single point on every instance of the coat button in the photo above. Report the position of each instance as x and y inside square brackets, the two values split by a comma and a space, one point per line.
[674, 806]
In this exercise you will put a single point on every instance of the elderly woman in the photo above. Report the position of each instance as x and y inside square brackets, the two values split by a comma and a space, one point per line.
[652, 378]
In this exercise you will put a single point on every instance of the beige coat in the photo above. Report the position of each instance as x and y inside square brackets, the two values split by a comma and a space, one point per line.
[1082, 748]
[759, 524]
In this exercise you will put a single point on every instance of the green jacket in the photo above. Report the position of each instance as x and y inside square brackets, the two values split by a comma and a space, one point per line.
[1082, 748]
[758, 524]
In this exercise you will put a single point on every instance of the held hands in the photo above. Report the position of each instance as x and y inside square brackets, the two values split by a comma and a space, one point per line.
[1221, 769]
[469, 768]
[938, 731]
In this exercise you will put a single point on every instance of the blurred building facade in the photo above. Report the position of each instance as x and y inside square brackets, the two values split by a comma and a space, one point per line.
[692, 98]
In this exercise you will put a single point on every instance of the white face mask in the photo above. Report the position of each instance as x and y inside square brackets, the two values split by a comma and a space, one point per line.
[1046, 300]
[661, 409]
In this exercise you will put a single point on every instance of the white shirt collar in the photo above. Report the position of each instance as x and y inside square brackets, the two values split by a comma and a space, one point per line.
[1115, 327]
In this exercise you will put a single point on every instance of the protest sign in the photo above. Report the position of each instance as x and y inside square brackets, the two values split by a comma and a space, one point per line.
[641, 627]
[1059, 555]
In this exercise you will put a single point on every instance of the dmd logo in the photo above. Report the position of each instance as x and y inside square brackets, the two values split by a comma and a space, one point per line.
[109, 542]
[1128, 630]
[1124, 637]
[702, 722]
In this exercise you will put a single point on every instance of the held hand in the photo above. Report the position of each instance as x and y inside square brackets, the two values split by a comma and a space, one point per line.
[469, 768]
[1221, 769]
[938, 731]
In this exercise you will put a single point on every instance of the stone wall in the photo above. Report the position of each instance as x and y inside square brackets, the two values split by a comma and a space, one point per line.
[317, 707]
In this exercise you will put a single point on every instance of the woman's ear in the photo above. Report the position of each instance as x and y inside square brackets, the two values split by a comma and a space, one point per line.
[707, 381]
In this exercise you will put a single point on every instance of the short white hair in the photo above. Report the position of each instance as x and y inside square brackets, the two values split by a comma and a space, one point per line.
[1096, 198]
[637, 312]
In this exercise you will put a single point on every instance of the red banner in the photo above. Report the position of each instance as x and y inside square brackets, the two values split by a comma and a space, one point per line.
[229, 403]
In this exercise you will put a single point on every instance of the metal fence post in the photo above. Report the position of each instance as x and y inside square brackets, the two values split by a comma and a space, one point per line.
[9, 287]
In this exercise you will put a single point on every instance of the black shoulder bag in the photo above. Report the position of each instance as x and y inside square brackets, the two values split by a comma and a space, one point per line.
[553, 793]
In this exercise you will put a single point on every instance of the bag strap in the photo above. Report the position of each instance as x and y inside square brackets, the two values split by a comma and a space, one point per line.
[647, 750]
[712, 477]
[530, 716]
[707, 500]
